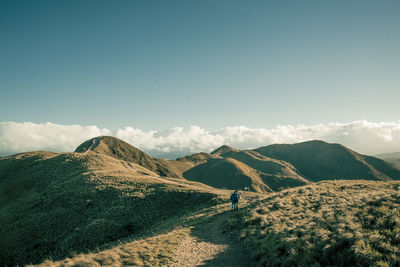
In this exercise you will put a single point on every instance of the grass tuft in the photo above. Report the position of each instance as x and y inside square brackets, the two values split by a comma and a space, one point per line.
[341, 223]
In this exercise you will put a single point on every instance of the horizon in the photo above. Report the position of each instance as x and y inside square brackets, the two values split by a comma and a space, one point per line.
[176, 77]
[364, 137]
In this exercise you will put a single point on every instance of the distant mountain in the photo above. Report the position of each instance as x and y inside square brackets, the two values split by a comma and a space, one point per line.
[227, 173]
[230, 168]
[393, 158]
[223, 149]
[118, 149]
[318, 160]
[265, 169]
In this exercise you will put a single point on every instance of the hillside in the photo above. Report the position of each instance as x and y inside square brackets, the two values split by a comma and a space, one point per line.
[119, 149]
[227, 173]
[223, 149]
[393, 158]
[330, 223]
[233, 169]
[318, 160]
[52, 205]
[107, 204]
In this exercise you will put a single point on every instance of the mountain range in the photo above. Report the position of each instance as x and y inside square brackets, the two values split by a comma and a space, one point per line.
[265, 169]
[108, 191]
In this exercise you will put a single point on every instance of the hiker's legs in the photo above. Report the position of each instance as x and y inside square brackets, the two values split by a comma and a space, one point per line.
[235, 206]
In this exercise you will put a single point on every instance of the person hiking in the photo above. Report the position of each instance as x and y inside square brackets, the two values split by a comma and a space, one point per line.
[235, 197]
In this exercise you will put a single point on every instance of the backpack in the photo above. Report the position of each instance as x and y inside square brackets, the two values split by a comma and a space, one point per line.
[237, 196]
[234, 197]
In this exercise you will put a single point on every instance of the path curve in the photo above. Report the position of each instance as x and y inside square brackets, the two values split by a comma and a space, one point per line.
[210, 245]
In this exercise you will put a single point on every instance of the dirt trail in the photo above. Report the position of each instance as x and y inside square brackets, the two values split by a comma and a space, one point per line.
[94, 144]
[209, 245]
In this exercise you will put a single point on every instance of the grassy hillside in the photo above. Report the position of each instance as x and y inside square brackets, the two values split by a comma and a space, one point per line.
[107, 204]
[230, 168]
[318, 160]
[276, 174]
[223, 149]
[52, 205]
[233, 169]
[227, 173]
[116, 148]
[335, 223]
[197, 158]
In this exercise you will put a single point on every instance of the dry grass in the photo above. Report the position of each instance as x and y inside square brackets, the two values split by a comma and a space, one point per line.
[118, 149]
[234, 169]
[152, 251]
[342, 223]
[55, 205]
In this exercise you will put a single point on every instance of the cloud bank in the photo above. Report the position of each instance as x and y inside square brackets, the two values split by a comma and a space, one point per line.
[362, 136]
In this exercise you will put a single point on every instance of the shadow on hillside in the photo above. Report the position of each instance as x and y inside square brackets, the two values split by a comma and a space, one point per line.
[214, 231]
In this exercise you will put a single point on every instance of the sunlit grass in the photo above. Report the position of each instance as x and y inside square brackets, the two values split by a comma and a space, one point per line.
[330, 223]
[56, 205]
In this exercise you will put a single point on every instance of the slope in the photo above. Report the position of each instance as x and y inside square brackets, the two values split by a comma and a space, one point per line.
[121, 150]
[329, 223]
[318, 160]
[54, 204]
[226, 173]
[276, 174]
[230, 168]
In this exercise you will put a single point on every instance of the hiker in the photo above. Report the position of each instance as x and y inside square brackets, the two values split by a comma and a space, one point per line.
[235, 197]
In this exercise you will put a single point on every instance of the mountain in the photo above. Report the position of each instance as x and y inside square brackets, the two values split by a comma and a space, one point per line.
[318, 160]
[227, 173]
[265, 169]
[52, 204]
[118, 149]
[230, 168]
[223, 149]
[393, 158]
[111, 204]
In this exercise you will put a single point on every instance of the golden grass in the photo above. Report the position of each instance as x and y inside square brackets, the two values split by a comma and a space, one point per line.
[236, 169]
[157, 250]
[54, 205]
[342, 223]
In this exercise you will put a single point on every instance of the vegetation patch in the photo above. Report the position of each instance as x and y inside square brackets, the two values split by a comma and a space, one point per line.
[152, 251]
[58, 205]
[337, 223]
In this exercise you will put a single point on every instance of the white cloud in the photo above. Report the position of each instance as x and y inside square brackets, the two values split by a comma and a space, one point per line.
[362, 136]
[20, 137]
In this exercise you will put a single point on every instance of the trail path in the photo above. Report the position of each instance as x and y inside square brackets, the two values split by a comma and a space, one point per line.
[209, 245]
[94, 144]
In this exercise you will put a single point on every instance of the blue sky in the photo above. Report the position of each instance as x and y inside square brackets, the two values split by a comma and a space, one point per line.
[162, 64]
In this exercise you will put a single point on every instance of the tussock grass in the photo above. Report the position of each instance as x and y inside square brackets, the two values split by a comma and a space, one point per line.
[343, 223]
[157, 250]
[56, 205]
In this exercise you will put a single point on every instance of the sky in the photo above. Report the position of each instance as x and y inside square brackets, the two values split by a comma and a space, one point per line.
[174, 69]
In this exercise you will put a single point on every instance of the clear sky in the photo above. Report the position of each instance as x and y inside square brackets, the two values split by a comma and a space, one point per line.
[161, 64]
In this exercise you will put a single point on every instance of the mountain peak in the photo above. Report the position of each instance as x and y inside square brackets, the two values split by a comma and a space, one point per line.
[223, 149]
[121, 150]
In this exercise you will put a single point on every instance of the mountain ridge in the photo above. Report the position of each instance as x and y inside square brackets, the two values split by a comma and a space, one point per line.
[319, 160]
[109, 192]
[273, 167]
